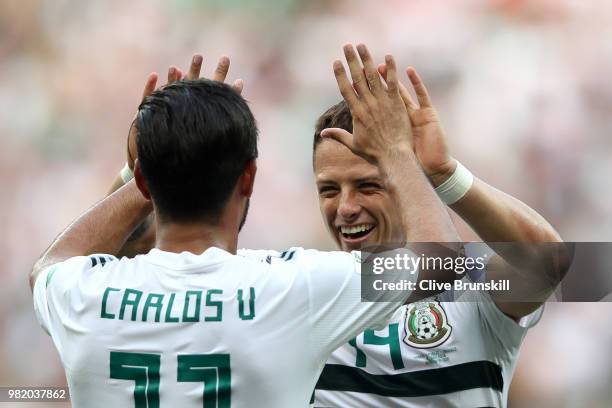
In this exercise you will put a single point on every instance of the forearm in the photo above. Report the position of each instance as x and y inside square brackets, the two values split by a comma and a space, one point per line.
[533, 268]
[498, 217]
[424, 216]
[117, 184]
[143, 238]
[104, 228]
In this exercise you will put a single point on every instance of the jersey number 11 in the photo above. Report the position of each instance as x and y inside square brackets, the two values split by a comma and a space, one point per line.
[211, 369]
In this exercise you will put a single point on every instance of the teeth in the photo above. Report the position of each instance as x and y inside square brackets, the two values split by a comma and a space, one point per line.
[356, 228]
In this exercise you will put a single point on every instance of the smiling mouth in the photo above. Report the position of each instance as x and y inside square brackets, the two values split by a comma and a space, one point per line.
[356, 233]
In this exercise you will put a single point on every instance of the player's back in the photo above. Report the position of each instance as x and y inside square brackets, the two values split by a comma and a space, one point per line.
[166, 329]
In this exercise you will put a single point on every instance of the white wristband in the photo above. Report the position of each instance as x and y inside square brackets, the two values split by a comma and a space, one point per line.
[453, 189]
[126, 173]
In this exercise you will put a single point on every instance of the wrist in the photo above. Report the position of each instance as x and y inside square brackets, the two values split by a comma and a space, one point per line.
[399, 162]
[399, 153]
[443, 173]
[396, 151]
[456, 186]
[135, 203]
[126, 173]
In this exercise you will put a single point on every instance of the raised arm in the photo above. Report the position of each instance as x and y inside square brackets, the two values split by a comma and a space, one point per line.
[494, 215]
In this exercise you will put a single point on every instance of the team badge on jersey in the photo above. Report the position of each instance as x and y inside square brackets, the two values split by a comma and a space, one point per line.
[426, 325]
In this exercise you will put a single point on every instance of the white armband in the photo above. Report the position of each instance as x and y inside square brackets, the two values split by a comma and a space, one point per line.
[126, 174]
[453, 189]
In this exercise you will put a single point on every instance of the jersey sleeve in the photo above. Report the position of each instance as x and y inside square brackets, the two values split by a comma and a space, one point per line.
[336, 311]
[54, 281]
[261, 255]
[506, 330]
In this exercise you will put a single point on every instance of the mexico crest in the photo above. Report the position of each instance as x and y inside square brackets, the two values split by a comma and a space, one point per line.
[426, 325]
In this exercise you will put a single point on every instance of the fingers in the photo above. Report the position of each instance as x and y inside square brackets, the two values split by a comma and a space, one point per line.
[150, 85]
[222, 68]
[411, 106]
[359, 79]
[392, 81]
[339, 135]
[345, 87]
[371, 73]
[238, 86]
[195, 67]
[419, 88]
[173, 73]
[220, 74]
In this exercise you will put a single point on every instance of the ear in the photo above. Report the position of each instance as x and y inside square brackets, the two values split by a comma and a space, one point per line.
[247, 180]
[140, 181]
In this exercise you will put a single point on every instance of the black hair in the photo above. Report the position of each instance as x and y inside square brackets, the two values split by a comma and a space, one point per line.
[195, 138]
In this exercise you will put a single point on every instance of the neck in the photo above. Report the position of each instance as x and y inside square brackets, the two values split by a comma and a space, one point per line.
[195, 237]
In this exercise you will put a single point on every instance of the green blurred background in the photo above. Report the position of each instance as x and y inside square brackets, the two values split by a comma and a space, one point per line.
[522, 87]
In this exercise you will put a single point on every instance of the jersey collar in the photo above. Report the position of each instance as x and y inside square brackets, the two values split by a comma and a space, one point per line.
[186, 260]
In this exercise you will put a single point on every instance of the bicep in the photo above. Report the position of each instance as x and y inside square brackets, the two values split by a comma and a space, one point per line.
[526, 293]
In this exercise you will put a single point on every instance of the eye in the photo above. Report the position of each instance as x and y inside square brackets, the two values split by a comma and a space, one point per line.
[327, 191]
[369, 187]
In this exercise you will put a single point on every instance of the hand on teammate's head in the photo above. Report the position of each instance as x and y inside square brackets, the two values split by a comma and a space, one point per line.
[176, 74]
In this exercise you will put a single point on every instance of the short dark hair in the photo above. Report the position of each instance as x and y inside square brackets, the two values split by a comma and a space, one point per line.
[195, 139]
[338, 116]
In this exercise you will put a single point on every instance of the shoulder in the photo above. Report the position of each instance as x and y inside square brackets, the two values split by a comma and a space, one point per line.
[311, 263]
[67, 272]
[297, 254]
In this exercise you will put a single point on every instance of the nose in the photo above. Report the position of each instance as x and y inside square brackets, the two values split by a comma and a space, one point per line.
[348, 207]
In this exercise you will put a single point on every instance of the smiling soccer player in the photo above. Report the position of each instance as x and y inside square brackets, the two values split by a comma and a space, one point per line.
[432, 352]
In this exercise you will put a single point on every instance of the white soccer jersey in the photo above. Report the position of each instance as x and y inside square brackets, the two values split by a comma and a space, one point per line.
[430, 354]
[213, 330]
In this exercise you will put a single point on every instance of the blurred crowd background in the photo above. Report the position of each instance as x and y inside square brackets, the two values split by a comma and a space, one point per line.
[522, 87]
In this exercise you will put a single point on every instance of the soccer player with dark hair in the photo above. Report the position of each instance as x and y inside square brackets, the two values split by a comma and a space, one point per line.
[434, 352]
[190, 323]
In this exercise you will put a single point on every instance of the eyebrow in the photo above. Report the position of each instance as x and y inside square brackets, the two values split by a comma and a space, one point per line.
[371, 178]
[359, 180]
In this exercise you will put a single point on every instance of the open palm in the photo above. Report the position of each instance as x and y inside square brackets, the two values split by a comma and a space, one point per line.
[429, 144]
